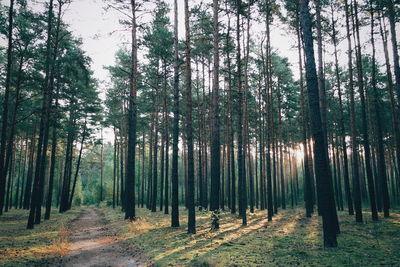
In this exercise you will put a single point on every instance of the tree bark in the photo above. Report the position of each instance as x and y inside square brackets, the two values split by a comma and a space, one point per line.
[320, 148]
[131, 164]
[215, 134]
[365, 134]
[4, 127]
[189, 127]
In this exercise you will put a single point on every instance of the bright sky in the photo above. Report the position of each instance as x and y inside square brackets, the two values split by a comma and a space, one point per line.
[102, 34]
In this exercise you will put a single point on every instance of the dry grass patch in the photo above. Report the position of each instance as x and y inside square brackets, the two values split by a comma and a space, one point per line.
[22, 247]
[59, 244]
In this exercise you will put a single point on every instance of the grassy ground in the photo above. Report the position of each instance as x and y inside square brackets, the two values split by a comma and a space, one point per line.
[22, 247]
[290, 239]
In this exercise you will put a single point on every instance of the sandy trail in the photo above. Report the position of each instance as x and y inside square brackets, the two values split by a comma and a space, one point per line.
[93, 243]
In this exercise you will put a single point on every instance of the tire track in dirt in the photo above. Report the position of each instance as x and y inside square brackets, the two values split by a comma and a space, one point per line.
[93, 243]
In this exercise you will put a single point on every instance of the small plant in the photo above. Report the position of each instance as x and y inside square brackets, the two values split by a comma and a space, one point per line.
[215, 220]
[201, 263]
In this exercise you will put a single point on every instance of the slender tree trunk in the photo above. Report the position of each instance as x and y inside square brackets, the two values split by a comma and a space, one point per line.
[230, 127]
[24, 171]
[392, 21]
[268, 101]
[215, 135]
[4, 127]
[155, 160]
[280, 137]
[37, 193]
[78, 164]
[355, 164]
[53, 154]
[67, 166]
[150, 168]
[365, 134]
[241, 159]
[114, 168]
[394, 110]
[131, 164]
[189, 127]
[29, 175]
[308, 180]
[321, 78]
[378, 117]
[341, 122]
[13, 124]
[143, 172]
[246, 114]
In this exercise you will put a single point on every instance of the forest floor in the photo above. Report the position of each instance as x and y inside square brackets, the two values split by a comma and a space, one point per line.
[101, 237]
[76, 238]
[290, 239]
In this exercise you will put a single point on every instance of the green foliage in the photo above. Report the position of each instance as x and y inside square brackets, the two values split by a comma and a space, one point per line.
[78, 196]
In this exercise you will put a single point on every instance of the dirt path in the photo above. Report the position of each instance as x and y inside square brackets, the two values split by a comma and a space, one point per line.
[93, 243]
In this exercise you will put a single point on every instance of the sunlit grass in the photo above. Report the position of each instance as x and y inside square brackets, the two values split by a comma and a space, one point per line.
[290, 239]
[20, 247]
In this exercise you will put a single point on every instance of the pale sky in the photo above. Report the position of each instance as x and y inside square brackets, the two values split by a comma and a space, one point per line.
[102, 34]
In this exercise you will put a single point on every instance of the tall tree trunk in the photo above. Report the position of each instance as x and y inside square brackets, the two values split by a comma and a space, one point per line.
[394, 110]
[37, 193]
[101, 164]
[320, 147]
[67, 165]
[78, 164]
[189, 127]
[308, 180]
[230, 125]
[268, 114]
[241, 160]
[131, 164]
[392, 21]
[280, 137]
[341, 121]
[166, 140]
[24, 171]
[354, 145]
[4, 127]
[13, 124]
[247, 150]
[150, 170]
[114, 168]
[215, 135]
[321, 78]
[381, 150]
[143, 172]
[29, 175]
[175, 133]
[53, 154]
[365, 134]
[155, 160]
